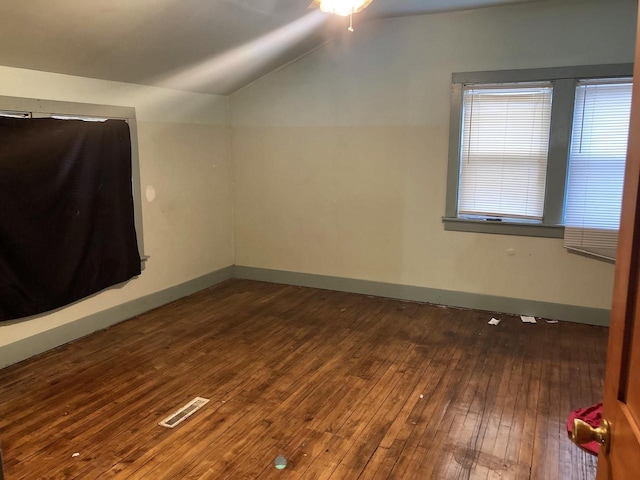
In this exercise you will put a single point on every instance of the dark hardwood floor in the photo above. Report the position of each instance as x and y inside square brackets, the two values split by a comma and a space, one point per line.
[345, 386]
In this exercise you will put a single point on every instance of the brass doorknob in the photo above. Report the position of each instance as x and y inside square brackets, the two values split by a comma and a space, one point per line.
[584, 433]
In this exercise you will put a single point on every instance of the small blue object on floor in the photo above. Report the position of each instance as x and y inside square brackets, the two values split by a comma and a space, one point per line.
[280, 462]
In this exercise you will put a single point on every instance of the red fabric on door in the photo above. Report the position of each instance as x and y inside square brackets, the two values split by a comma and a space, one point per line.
[591, 415]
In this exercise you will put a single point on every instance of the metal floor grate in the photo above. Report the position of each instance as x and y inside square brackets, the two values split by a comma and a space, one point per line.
[184, 413]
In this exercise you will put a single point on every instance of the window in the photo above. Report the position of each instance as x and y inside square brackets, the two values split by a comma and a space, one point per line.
[70, 192]
[18, 107]
[522, 143]
[596, 166]
[503, 151]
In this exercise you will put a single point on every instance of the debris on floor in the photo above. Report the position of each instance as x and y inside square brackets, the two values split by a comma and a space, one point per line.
[494, 321]
[75, 454]
[551, 321]
[280, 462]
[526, 319]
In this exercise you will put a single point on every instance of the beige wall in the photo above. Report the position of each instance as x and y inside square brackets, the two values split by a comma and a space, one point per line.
[184, 154]
[340, 159]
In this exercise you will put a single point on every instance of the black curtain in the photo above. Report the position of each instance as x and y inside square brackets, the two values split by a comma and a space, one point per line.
[66, 212]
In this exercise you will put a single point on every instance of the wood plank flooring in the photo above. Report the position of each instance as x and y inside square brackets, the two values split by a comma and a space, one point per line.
[345, 386]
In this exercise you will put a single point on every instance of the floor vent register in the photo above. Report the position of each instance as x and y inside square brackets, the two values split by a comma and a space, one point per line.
[185, 412]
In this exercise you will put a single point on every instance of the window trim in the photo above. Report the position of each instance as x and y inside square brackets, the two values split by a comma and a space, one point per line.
[39, 108]
[564, 83]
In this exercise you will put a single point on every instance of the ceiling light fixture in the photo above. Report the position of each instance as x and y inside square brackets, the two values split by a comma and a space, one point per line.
[343, 8]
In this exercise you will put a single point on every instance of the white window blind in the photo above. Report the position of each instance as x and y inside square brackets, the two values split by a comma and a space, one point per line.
[596, 166]
[504, 150]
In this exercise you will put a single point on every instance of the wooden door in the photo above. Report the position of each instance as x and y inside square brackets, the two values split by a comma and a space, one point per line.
[622, 381]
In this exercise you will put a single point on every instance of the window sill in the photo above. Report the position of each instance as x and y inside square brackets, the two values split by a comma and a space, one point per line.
[503, 228]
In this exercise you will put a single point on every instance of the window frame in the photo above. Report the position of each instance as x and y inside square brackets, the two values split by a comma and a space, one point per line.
[564, 80]
[38, 108]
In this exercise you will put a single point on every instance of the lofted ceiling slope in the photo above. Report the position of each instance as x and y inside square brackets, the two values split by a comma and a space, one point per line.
[209, 46]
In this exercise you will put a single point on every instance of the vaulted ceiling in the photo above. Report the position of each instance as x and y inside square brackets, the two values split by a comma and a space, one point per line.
[210, 46]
